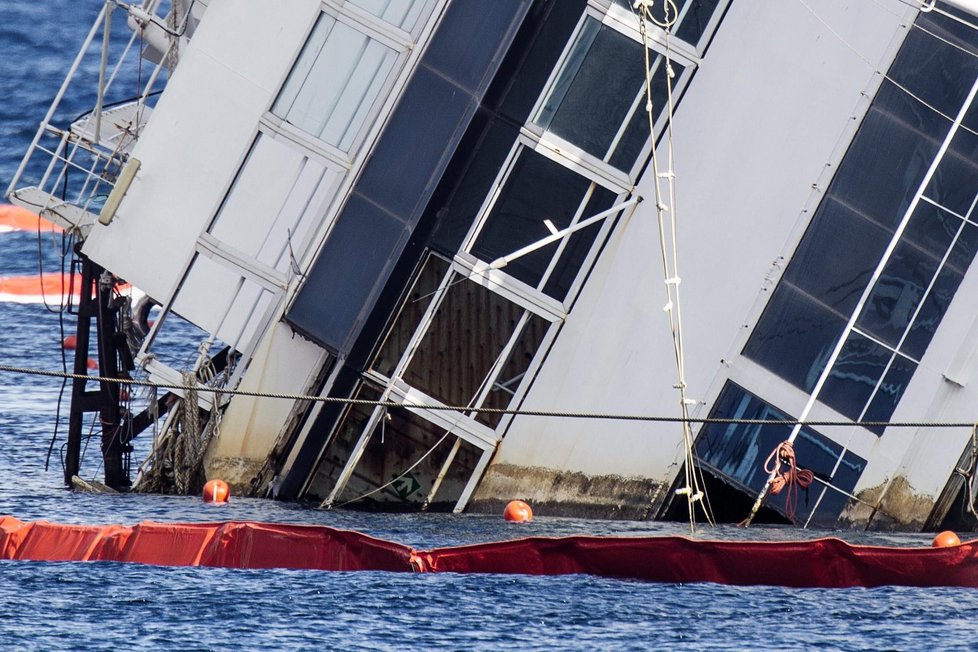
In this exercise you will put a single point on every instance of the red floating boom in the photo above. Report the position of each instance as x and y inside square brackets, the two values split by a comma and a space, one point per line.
[824, 563]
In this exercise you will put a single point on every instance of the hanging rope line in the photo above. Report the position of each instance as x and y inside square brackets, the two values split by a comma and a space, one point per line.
[669, 250]
[601, 416]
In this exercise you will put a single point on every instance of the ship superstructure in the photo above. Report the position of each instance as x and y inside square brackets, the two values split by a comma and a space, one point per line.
[365, 222]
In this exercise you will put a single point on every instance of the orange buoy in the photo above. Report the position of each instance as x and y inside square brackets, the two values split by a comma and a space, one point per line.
[518, 511]
[946, 539]
[69, 343]
[216, 491]
[92, 363]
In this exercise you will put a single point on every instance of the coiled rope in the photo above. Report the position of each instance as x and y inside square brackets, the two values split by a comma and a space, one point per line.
[784, 473]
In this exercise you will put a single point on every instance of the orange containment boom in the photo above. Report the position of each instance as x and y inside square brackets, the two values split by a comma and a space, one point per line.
[15, 218]
[823, 563]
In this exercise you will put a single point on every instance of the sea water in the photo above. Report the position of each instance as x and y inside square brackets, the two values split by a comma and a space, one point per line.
[110, 605]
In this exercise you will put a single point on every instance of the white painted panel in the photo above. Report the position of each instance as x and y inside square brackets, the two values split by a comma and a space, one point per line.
[258, 194]
[770, 107]
[284, 363]
[223, 302]
[205, 121]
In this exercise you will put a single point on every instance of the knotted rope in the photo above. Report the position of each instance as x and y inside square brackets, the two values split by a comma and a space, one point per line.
[783, 470]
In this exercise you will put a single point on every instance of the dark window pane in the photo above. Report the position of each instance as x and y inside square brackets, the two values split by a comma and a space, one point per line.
[411, 153]
[837, 256]
[512, 374]
[935, 71]
[931, 229]
[738, 451]
[595, 89]
[897, 293]
[637, 133]
[936, 302]
[409, 317]
[467, 334]
[794, 337]
[891, 390]
[833, 502]
[889, 156]
[578, 246]
[697, 17]
[478, 172]
[536, 189]
[955, 181]
[343, 282]
[469, 36]
[854, 375]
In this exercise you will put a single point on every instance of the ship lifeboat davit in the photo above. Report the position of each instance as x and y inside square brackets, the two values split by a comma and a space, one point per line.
[815, 563]
[15, 218]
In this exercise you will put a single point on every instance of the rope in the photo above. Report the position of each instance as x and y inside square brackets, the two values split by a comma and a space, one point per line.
[783, 471]
[600, 416]
[669, 250]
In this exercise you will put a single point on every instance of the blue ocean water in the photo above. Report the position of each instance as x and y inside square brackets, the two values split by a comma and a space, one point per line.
[108, 606]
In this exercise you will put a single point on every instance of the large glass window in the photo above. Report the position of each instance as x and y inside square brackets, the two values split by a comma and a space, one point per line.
[895, 179]
[737, 452]
[597, 101]
[335, 82]
[539, 190]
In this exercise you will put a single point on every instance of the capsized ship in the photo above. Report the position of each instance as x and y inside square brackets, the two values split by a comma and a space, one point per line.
[378, 238]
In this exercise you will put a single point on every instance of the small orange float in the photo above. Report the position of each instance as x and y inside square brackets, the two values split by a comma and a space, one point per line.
[216, 491]
[946, 539]
[518, 511]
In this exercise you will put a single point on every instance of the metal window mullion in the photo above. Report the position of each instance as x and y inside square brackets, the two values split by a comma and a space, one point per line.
[240, 263]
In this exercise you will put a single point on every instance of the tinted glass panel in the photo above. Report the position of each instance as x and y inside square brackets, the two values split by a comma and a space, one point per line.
[854, 375]
[935, 71]
[595, 89]
[890, 390]
[469, 36]
[897, 293]
[889, 157]
[359, 251]
[637, 133]
[400, 170]
[837, 256]
[578, 246]
[694, 16]
[936, 303]
[536, 189]
[794, 337]
[695, 20]
[738, 451]
[955, 181]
